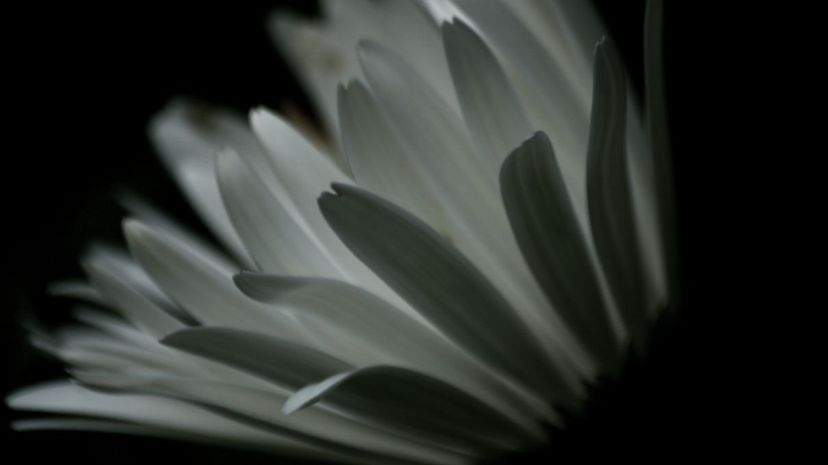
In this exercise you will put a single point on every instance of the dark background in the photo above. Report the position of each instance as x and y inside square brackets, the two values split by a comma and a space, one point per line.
[83, 81]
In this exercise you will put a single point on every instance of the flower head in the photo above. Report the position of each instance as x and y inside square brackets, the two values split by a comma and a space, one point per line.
[490, 232]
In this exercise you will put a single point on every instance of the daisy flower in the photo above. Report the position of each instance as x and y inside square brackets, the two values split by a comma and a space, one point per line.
[490, 232]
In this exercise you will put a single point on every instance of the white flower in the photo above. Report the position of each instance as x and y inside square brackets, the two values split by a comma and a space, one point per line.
[455, 286]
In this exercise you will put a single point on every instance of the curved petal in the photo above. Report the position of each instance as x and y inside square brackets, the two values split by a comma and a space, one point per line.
[553, 244]
[137, 308]
[76, 289]
[284, 363]
[276, 241]
[203, 287]
[153, 412]
[608, 187]
[475, 220]
[416, 404]
[323, 429]
[366, 330]
[304, 172]
[655, 96]
[322, 50]
[440, 283]
[188, 136]
[379, 159]
[491, 109]
[548, 93]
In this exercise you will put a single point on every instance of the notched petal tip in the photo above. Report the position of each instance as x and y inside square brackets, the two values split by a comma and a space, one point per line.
[259, 114]
[539, 139]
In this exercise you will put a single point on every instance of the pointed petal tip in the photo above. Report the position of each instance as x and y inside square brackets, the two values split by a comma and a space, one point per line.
[292, 405]
[182, 338]
[170, 340]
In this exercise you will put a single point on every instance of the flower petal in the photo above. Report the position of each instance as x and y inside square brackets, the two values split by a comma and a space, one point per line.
[76, 289]
[414, 404]
[608, 187]
[257, 408]
[440, 283]
[153, 412]
[361, 319]
[304, 172]
[364, 329]
[188, 136]
[568, 30]
[276, 241]
[549, 95]
[491, 108]
[322, 50]
[475, 221]
[202, 286]
[380, 160]
[137, 308]
[284, 363]
[655, 96]
[257, 440]
[544, 222]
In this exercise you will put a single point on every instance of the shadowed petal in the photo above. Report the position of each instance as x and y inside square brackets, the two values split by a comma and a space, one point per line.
[491, 108]
[415, 404]
[553, 244]
[281, 362]
[440, 283]
[610, 204]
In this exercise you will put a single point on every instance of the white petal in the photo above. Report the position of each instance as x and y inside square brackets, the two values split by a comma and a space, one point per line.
[76, 289]
[568, 30]
[491, 109]
[549, 95]
[157, 414]
[553, 244]
[323, 51]
[476, 222]
[305, 173]
[439, 283]
[203, 287]
[188, 137]
[135, 306]
[276, 241]
[608, 188]
[150, 215]
[284, 363]
[380, 160]
[414, 404]
[366, 330]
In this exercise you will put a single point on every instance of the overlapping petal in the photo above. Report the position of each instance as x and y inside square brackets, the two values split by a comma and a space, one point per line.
[461, 283]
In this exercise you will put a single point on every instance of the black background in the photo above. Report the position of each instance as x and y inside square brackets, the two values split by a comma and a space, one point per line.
[83, 81]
